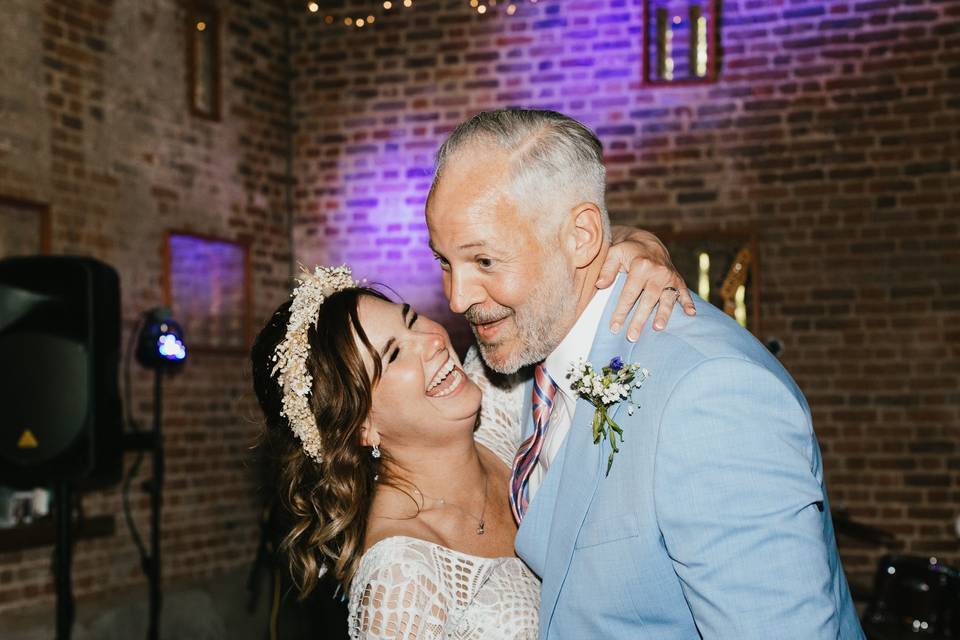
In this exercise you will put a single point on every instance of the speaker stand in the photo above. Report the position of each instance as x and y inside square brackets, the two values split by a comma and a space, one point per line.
[63, 500]
[156, 501]
[152, 441]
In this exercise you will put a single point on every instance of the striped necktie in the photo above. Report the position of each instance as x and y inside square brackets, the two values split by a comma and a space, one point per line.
[544, 390]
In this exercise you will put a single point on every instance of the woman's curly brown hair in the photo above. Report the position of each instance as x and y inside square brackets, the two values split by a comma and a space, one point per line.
[328, 504]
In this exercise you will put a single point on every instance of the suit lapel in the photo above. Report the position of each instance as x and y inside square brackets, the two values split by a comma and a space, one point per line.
[584, 465]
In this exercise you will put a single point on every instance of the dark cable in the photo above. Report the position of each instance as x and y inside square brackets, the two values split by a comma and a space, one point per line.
[127, 393]
[135, 467]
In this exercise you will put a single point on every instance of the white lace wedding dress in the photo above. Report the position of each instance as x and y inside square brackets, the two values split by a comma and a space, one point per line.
[409, 589]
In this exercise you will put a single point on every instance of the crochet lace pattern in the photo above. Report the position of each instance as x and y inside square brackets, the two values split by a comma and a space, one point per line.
[411, 589]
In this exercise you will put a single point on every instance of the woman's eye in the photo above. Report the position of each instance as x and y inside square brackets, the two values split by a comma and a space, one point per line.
[443, 261]
[485, 263]
[393, 355]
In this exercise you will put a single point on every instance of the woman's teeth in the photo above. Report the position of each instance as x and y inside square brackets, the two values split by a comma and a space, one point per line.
[448, 386]
[446, 380]
[441, 374]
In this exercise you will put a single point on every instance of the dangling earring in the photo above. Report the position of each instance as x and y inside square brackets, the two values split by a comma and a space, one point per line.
[375, 452]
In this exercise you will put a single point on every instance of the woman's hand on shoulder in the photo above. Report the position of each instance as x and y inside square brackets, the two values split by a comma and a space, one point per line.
[652, 281]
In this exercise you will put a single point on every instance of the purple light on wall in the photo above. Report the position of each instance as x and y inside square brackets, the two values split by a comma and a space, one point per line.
[208, 288]
[376, 219]
[369, 183]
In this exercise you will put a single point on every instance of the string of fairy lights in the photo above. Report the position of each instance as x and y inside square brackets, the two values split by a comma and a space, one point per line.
[361, 20]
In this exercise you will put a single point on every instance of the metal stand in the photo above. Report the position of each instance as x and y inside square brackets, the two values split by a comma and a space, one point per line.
[152, 441]
[64, 558]
[156, 501]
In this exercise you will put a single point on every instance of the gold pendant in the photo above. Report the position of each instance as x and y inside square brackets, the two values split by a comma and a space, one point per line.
[480, 528]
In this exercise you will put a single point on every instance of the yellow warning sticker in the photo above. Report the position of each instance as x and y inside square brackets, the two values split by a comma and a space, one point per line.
[27, 440]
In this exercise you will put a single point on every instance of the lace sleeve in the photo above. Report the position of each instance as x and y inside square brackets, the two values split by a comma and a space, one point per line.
[402, 600]
[500, 427]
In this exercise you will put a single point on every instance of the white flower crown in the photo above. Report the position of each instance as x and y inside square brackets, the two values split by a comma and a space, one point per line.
[290, 357]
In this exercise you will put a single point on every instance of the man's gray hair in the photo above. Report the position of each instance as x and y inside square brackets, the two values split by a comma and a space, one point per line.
[556, 161]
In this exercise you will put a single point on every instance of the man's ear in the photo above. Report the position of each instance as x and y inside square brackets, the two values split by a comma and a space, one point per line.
[587, 229]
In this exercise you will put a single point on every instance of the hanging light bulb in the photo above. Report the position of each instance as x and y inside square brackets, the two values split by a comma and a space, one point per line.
[482, 7]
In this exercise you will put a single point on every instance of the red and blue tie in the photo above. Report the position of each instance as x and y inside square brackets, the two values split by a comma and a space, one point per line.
[544, 390]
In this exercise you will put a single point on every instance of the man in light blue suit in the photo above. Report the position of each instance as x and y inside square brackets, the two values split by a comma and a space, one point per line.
[713, 521]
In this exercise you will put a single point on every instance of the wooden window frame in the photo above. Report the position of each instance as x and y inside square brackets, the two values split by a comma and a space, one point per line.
[194, 9]
[713, 7]
[247, 307]
[746, 237]
[43, 211]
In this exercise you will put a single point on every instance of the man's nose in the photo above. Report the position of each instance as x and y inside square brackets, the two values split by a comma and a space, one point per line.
[463, 293]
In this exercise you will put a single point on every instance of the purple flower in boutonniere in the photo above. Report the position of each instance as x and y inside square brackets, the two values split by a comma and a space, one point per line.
[615, 382]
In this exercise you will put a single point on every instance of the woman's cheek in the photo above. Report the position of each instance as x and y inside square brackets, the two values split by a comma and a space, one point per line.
[406, 383]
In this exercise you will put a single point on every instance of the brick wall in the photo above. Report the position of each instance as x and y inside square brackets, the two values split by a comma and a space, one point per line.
[834, 130]
[94, 122]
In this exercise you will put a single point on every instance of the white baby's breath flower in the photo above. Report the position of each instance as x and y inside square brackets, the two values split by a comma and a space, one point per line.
[614, 383]
[291, 354]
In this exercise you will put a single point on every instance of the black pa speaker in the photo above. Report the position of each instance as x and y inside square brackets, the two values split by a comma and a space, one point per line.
[60, 413]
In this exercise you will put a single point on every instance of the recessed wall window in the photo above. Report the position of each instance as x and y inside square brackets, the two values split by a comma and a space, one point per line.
[679, 41]
[203, 59]
[24, 228]
[721, 265]
[207, 282]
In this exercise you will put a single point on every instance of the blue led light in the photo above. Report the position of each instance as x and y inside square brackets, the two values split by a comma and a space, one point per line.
[161, 345]
[170, 347]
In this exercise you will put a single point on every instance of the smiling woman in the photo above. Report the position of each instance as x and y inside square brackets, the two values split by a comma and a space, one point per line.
[384, 472]
[422, 398]
[329, 501]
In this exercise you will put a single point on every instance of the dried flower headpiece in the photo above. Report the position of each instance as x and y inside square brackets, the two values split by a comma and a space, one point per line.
[290, 357]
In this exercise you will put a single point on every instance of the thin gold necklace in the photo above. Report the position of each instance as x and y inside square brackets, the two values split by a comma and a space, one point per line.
[481, 523]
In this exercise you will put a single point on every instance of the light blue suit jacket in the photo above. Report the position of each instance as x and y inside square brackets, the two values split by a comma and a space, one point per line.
[714, 520]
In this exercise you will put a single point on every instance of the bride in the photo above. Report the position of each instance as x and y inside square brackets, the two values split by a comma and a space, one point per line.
[373, 423]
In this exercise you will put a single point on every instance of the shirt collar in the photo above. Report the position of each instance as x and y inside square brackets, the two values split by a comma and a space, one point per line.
[577, 343]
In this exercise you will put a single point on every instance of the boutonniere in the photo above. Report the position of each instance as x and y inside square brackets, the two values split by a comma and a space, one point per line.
[615, 383]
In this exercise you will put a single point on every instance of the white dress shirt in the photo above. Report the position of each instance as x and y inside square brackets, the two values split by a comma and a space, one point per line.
[575, 345]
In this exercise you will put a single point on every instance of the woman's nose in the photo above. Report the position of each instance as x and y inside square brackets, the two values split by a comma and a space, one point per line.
[433, 343]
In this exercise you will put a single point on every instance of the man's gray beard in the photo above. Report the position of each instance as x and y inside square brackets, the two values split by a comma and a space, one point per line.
[540, 322]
